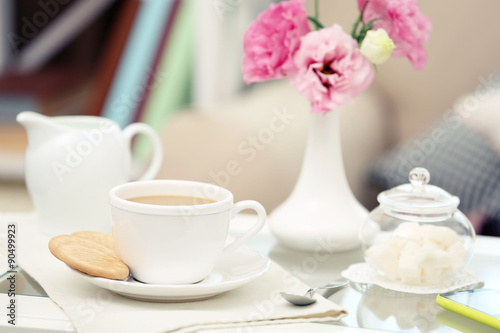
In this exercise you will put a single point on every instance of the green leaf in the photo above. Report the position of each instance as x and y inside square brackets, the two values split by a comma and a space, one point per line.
[316, 22]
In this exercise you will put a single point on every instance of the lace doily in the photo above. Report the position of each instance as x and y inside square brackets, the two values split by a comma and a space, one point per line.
[364, 273]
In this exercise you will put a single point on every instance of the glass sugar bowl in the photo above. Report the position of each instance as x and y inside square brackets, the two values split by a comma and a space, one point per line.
[417, 235]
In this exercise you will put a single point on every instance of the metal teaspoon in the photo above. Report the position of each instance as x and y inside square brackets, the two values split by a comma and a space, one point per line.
[307, 298]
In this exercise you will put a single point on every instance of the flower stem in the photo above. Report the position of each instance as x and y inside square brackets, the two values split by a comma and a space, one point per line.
[355, 28]
[358, 22]
[316, 10]
[315, 19]
[317, 24]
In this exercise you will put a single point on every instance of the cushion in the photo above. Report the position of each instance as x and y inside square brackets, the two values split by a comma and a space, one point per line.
[460, 159]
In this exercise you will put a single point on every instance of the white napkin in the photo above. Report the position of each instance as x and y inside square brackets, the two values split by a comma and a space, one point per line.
[93, 309]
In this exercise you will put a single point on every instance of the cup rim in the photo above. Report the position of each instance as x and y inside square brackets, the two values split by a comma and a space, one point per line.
[223, 197]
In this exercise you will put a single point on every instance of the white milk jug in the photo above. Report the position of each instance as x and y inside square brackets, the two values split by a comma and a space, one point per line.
[71, 164]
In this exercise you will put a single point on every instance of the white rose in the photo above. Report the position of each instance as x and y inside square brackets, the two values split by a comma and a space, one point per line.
[377, 46]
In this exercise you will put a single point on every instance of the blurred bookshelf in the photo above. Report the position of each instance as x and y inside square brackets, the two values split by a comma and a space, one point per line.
[83, 57]
[46, 64]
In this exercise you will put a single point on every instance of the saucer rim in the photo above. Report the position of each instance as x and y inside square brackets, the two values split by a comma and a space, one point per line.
[131, 288]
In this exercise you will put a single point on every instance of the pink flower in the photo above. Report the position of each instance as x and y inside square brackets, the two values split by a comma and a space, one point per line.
[330, 69]
[271, 41]
[404, 23]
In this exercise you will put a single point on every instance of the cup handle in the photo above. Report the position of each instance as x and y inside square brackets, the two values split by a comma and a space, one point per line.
[140, 128]
[261, 220]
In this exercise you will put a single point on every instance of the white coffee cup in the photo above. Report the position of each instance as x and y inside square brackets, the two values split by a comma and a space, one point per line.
[175, 244]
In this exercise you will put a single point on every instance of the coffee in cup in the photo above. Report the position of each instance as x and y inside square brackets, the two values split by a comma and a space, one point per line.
[171, 200]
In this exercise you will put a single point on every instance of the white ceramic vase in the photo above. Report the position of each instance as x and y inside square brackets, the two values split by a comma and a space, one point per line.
[321, 214]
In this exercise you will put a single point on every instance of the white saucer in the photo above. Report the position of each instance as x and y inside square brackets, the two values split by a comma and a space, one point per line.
[232, 271]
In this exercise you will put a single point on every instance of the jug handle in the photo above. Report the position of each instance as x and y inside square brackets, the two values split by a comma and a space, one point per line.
[140, 128]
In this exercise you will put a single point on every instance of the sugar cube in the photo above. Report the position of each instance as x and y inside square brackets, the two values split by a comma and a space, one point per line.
[383, 258]
[408, 269]
[436, 258]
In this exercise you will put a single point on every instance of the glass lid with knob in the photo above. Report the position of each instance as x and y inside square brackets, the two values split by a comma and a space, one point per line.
[418, 200]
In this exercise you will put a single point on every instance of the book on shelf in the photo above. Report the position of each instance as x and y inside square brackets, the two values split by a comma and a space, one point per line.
[6, 26]
[135, 66]
[170, 91]
[156, 73]
[113, 50]
[58, 33]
